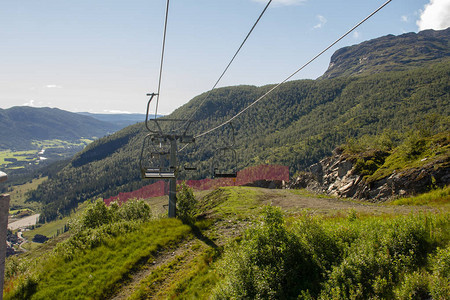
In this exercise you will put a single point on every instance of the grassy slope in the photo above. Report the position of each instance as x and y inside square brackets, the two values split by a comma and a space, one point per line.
[188, 270]
[18, 195]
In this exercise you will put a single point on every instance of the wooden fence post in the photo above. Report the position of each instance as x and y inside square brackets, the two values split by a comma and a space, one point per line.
[4, 211]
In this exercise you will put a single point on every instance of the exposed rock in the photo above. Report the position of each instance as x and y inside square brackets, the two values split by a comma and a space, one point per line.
[336, 176]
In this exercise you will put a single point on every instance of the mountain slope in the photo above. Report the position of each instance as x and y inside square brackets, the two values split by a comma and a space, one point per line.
[296, 125]
[19, 126]
[121, 120]
[390, 53]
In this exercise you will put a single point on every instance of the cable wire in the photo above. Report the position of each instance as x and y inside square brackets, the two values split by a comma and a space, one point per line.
[293, 74]
[162, 58]
[231, 61]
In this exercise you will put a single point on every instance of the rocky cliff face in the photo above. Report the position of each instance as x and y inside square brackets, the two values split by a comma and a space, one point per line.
[390, 53]
[337, 176]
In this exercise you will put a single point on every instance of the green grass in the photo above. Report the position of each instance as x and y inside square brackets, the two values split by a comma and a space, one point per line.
[415, 153]
[438, 197]
[188, 277]
[238, 203]
[60, 143]
[19, 155]
[48, 229]
[97, 272]
[18, 195]
[338, 258]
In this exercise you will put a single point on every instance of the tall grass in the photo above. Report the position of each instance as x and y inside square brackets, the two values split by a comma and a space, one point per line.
[438, 197]
[97, 258]
[348, 258]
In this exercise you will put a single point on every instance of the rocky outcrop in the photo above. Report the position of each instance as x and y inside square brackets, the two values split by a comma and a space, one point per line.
[336, 176]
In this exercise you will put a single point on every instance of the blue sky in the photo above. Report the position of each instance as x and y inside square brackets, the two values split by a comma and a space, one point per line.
[103, 56]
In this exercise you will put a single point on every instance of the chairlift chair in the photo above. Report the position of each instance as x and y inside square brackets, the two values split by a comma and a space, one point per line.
[224, 163]
[160, 144]
[155, 158]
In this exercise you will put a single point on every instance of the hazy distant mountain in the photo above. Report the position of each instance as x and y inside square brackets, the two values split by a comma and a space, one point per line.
[122, 120]
[20, 125]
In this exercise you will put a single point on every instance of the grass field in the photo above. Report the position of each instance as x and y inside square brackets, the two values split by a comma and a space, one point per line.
[48, 229]
[21, 156]
[60, 143]
[18, 195]
[10, 160]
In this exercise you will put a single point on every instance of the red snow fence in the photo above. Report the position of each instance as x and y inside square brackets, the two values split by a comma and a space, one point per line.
[248, 176]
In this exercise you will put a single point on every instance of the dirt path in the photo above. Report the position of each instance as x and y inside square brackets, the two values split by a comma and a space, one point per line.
[292, 202]
[162, 258]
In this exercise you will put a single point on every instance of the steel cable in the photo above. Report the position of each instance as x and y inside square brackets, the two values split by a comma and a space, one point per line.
[293, 74]
[162, 58]
[231, 61]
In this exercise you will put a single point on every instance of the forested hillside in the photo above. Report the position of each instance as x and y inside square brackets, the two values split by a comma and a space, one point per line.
[21, 125]
[120, 119]
[296, 125]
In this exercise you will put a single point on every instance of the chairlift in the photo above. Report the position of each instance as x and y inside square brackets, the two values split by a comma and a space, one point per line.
[155, 158]
[224, 163]
[223, 158]
[159, 149]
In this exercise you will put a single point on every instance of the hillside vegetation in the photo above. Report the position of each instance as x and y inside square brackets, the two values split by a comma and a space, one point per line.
[20, 127]
[296, 125]
[307, 248]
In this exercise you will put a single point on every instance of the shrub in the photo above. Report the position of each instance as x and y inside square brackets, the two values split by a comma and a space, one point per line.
[440, 278]
[269, 263]
[97, 214]
[186, 204]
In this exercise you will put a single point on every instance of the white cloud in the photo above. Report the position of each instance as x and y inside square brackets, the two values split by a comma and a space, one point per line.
[404, 18]
[322, 21]
[436, 15]
[29, 103]
[53, 86]
[115, 111]
[282, 2]
[356, 34]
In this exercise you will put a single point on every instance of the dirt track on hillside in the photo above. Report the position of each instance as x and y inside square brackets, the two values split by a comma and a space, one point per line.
[296, 203]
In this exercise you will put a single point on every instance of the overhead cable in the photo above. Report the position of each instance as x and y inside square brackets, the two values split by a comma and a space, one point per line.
[162, 58]
[231, 61]
[293, 74]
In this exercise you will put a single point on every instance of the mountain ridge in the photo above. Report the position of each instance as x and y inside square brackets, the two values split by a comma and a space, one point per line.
[390, 53]
[20, 125]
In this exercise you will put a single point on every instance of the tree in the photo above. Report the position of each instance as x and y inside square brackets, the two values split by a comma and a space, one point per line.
[186, 203]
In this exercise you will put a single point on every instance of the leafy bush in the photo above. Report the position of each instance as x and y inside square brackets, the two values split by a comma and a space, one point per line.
[440, 277]
[379, 257]
[269, 263]
[186, 204]
[348, 258]
[98, 214]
